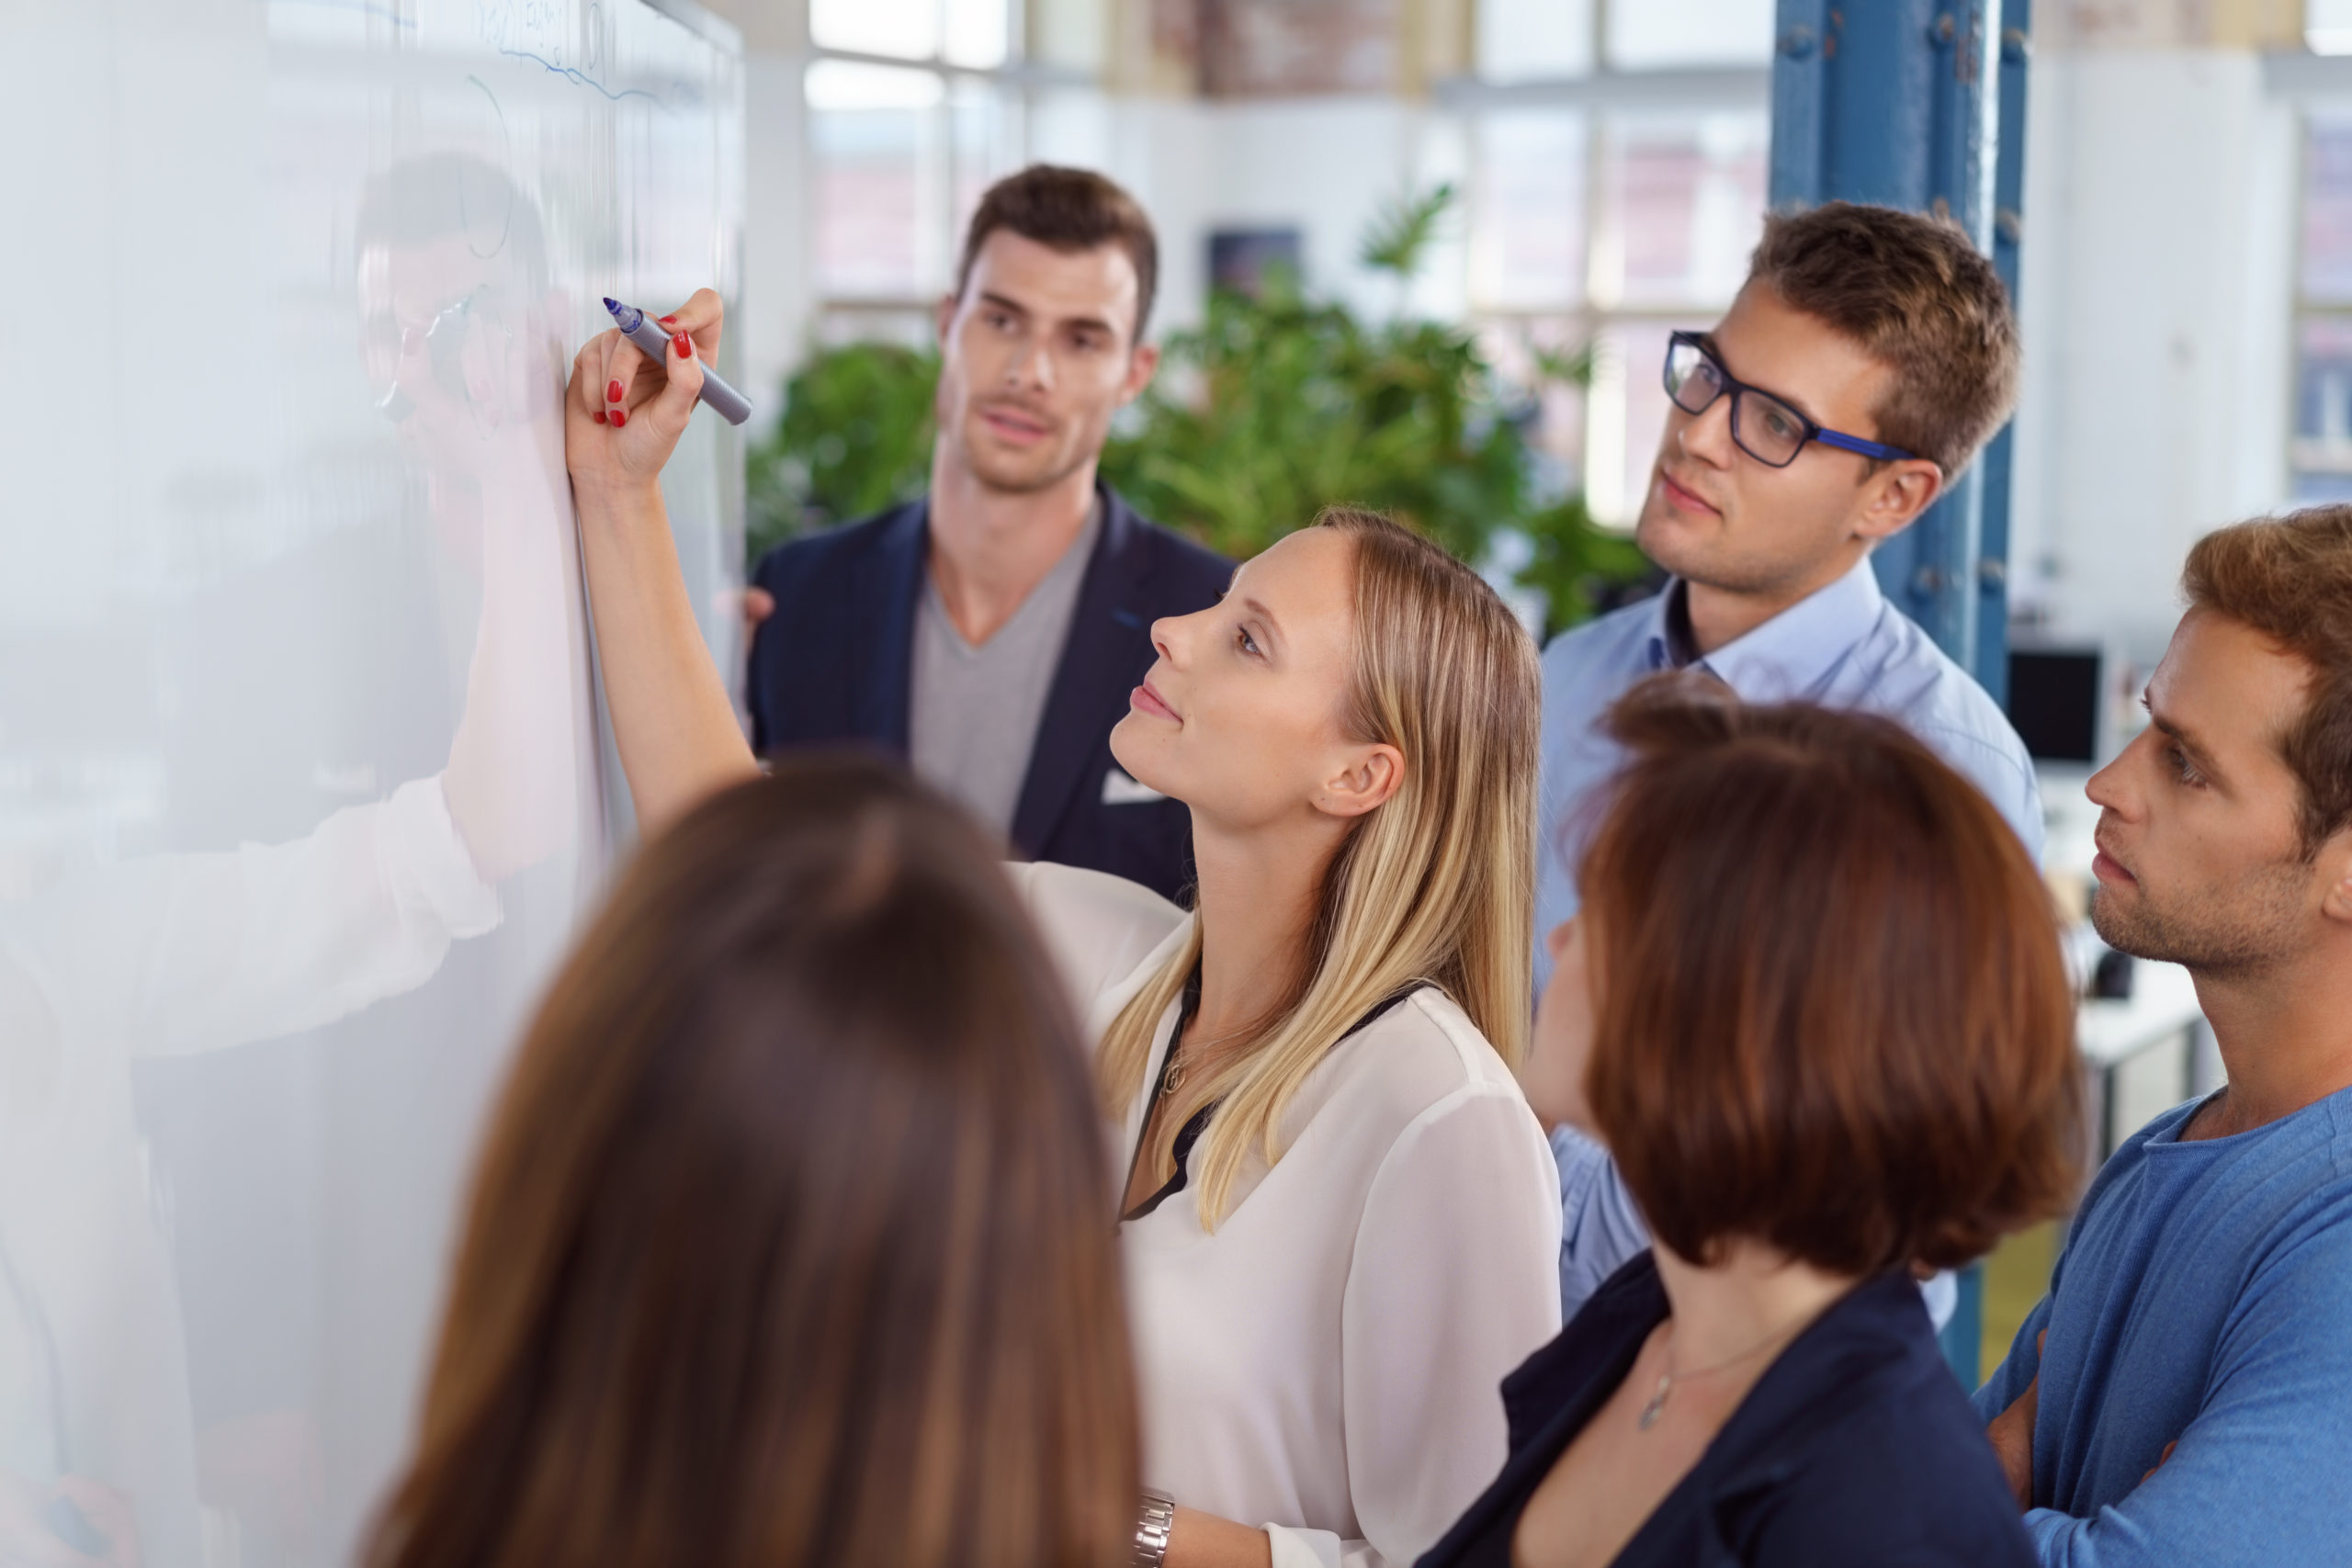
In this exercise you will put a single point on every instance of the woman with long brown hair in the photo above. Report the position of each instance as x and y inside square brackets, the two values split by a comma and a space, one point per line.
[1341, 1222]
[787, 1246]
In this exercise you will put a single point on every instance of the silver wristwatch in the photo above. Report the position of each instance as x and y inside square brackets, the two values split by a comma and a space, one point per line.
[1152, 1528]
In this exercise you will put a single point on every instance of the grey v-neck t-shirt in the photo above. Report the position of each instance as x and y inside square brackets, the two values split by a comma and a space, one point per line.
[974, 711]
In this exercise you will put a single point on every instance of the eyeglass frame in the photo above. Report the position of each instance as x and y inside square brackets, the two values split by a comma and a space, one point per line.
[1735, 387]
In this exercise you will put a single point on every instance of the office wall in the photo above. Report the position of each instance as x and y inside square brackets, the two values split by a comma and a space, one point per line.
[2160, 218]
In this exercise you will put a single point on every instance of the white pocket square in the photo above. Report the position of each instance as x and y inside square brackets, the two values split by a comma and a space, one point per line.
[1119, 789]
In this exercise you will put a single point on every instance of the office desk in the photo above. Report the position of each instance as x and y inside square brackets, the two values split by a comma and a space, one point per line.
[2143, 1055]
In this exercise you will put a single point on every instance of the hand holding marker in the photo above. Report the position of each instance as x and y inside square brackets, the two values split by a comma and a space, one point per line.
[644, 332]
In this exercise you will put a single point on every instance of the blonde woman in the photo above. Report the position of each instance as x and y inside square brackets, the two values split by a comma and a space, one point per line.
[1341, 1221]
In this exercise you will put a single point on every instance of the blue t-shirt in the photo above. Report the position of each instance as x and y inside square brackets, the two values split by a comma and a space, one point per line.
[2204, 1296]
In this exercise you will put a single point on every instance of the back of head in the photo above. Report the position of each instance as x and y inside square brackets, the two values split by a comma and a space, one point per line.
[789, 1243]
[1067, 210]
[1919, 299]
[2290, 578]
[1830, 1010]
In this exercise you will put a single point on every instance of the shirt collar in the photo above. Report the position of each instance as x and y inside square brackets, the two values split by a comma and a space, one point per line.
[1788, 655]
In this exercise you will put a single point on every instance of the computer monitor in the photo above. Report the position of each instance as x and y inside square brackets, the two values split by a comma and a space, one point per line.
[2055, 702]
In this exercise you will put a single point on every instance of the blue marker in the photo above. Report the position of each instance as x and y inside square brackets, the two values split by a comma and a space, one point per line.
[646, 333]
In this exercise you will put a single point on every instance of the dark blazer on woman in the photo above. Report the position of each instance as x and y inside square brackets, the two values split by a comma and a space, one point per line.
[1855, 1447]
[835, 665]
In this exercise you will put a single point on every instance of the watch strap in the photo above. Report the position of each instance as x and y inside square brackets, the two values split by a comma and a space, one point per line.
[1154, 1524]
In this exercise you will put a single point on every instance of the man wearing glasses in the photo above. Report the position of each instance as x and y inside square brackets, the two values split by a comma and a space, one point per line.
[1869, 354]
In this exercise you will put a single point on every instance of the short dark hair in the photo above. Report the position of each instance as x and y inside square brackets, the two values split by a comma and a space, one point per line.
[2290, 578]
[1069, 210]
[1918, 297]
[789, 1243]
[1831, 1013]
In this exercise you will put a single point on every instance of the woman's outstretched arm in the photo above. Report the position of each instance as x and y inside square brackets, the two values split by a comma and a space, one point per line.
[622, 417]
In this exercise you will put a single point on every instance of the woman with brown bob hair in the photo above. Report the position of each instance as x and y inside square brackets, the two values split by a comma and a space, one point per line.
[1815, 1008]
[787, 1244]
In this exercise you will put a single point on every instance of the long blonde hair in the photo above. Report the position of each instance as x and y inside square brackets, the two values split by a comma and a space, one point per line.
[1435, 886]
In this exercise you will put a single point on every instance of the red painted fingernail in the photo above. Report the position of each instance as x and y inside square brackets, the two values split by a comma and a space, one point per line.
[619, 419]
[684, 344]
[599, 416]
[669, 320]
[612, 392]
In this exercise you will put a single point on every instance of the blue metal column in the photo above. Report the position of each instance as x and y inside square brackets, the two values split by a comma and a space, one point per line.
[1992, 663]
[1901, 102]
[1896, 102]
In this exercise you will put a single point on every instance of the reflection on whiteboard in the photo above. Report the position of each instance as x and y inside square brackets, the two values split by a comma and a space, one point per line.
[301, 779]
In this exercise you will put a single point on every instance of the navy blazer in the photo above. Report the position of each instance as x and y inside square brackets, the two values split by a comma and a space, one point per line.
[1856, 1449]
[835, 664]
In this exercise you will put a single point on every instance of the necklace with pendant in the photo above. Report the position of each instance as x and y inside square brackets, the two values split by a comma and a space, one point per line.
[1180, 1057]
[1668, 1379]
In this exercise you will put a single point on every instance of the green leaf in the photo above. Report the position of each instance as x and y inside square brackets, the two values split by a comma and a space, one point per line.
[855, 438]
[1399, 236]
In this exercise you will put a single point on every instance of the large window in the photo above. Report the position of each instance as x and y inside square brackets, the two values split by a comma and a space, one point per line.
[977, 33]
[1617, 184]
[914, 106]
[2322, 451]
[1614, 174]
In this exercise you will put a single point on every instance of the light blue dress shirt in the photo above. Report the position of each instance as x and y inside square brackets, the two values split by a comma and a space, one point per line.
[1844, 646]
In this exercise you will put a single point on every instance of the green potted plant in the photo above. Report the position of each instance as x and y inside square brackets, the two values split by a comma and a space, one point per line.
[855, 438]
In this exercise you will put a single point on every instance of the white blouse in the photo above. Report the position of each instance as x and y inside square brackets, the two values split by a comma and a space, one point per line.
[1327, 1363]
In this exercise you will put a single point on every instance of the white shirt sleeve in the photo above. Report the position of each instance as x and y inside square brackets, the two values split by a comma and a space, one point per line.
[1098, 928]
[1452, 1285]
[198, 951]
[1317, 1549]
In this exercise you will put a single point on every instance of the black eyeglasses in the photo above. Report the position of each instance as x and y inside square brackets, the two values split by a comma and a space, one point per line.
[1762, 425]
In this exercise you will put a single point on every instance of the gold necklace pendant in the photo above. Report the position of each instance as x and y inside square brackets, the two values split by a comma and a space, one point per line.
[1174, 1078]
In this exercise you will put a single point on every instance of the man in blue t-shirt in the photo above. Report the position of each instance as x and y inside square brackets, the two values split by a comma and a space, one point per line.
[2184, 1393]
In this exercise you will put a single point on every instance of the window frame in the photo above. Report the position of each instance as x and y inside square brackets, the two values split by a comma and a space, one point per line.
[1604, 101]
[1020, 82]
[2304, 456]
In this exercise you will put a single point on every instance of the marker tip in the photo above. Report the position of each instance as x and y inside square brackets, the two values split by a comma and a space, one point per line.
[613, 305]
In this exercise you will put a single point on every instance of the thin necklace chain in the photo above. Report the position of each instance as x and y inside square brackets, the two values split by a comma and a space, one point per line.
[1174, 1078]
[1668, 1379]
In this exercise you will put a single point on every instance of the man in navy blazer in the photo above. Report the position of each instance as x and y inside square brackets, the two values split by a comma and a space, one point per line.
[989, 633]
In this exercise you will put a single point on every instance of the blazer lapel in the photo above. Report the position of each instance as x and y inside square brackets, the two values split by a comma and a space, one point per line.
[1092, 682]
[883, 593]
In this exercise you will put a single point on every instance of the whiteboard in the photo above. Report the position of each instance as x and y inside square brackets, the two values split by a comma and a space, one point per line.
[304, 787]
